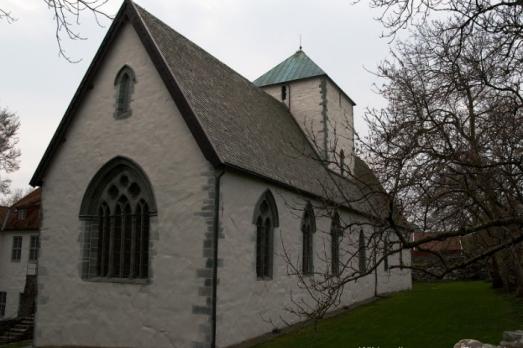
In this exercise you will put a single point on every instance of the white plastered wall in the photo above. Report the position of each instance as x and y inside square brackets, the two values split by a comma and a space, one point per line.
[305, 104]
[74, 312]
[340, 125]
[317, 104]
[13, 273]
[248, 307]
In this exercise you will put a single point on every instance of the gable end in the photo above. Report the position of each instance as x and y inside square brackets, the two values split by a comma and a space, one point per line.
[127, 12]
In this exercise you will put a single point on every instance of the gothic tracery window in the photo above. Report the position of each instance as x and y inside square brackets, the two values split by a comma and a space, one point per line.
[116, 209]
[265, 219]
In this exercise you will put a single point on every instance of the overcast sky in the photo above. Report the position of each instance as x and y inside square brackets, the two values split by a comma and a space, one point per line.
[250, 36]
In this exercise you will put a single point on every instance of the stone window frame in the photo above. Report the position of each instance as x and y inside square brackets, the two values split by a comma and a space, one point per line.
[265, 219]
[308, 228]
[3, 303]
[34, 248]
[124, 89]
[117, 214]
[336, 234]
[16, 250]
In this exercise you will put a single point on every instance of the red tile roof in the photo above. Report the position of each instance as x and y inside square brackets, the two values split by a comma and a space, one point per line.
[31, 203]
[447, 246]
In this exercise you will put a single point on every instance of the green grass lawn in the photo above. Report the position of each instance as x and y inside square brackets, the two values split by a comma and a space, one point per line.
[17, 345]
[432, 315]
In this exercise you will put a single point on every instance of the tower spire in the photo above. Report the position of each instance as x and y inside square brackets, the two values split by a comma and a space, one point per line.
[300, 43]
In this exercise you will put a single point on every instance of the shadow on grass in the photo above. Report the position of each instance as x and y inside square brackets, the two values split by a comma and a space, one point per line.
[431, 315]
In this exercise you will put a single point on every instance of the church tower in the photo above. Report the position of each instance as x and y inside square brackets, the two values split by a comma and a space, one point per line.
[320, 107]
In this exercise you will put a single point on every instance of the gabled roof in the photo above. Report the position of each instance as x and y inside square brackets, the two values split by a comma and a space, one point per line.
[236, 124]
[31, 199]
[297, 67]
[31, 204]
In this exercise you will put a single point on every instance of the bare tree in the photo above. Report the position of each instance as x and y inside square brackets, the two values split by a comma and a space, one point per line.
[14, 196]
[492, 16]
[447, 150]
[9, 153]
[66, 16]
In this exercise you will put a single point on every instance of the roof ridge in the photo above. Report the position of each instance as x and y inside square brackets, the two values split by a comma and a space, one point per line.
[193, 44]
[254, 87]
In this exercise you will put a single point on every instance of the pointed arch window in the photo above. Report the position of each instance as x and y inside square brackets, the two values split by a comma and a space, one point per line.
[124, 87]
[308, 227]
[362, 253]
[336, 233]
[265, 219]
[116, 211]
[386, 253]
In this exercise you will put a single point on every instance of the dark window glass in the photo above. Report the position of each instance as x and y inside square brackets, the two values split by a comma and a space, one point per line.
[22, 213]
[3, 302]
[34, 248]
[124, 88]
[117, 234]
[362, 250]
[307, 228]
[16, 253]
[336, 233]
[266, 218]
[283, 93]
[386, 254]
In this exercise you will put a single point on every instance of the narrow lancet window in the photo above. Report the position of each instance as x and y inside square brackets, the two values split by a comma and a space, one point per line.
[362, 253]
[336, 233]
[308, 227]
[124, 84]
[265, 219]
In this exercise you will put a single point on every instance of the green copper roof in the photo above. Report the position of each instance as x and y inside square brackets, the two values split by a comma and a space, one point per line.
[296, 67]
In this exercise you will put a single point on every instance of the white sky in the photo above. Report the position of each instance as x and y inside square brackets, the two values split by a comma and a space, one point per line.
[251, 36]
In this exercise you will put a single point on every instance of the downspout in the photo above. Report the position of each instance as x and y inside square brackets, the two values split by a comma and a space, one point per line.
[216, 232]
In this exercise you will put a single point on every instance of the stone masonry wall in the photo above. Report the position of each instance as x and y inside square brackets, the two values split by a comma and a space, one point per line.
[248, 307]
[306, 104]
[172, 309]
[318, 105]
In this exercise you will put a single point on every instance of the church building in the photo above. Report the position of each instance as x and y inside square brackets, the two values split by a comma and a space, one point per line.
[174, 188]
